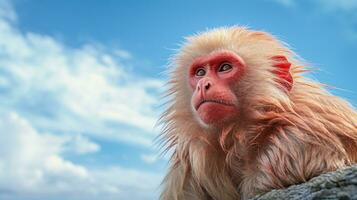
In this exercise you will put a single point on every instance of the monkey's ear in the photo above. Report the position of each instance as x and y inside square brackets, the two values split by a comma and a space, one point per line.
[283, 66]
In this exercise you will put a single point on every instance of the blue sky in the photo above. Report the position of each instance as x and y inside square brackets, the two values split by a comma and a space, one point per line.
[80, 83]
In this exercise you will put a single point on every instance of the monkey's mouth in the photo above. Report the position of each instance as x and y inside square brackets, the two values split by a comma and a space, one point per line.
[217, 101]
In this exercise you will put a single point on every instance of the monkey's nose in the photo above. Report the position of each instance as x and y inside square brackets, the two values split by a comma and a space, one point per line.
[204, 85]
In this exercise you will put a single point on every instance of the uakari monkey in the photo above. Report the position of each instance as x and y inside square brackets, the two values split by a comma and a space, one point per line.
[242, 120]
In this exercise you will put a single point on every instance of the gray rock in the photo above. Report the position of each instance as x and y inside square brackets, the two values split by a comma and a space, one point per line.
[340, 184]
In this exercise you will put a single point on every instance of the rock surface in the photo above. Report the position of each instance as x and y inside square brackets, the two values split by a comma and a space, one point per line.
[341, 184]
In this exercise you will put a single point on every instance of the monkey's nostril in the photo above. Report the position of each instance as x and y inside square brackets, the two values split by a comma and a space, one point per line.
[207, 86]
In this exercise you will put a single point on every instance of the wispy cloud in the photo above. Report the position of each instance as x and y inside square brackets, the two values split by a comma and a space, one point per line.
[30, 161]
[7, 11]
[149, 158]
[287, 3]
[338, 5]
[345, 11]
[53, 99]
[32, 164]
[81, 145]
[65, 89]
[327, 5]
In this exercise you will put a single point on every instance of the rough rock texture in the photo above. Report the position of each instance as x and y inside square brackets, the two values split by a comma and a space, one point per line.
[341, 184]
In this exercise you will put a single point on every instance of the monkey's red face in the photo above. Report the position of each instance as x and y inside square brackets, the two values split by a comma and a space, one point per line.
[213, 77]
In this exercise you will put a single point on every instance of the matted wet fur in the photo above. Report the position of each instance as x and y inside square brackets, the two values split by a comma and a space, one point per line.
[281, 138]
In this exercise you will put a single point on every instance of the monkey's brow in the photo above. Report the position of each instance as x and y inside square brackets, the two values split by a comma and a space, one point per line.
[217, 57]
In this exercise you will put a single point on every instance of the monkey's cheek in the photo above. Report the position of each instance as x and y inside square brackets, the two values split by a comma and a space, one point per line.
[212, 113]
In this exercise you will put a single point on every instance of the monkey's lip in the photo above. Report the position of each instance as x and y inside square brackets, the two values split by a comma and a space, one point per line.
[218, 101]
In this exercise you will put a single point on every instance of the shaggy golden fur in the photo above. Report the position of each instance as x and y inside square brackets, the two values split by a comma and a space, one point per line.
[281, 138]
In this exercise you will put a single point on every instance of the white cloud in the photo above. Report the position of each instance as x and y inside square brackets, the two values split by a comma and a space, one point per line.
[343, 5]
[29, 158]
[7, 11]
[345, 11]
[64, 89]
[123, 54]
[287, 3]
[327, 5]
[149, 158]
[82, 145]
[53, 99]
[31, 164]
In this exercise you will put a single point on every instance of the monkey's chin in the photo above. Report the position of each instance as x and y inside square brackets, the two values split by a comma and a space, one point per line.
[215, 114]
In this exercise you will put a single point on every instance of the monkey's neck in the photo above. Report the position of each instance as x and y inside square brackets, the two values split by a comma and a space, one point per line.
[217, 150]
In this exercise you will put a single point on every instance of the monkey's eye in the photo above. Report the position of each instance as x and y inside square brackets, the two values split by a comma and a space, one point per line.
[225, 67]
[200, 72]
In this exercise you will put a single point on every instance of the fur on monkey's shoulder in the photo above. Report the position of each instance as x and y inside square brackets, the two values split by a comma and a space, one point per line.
[242, 119]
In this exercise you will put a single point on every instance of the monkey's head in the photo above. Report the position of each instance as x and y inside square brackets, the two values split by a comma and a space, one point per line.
[219, 74]
[213, 78]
